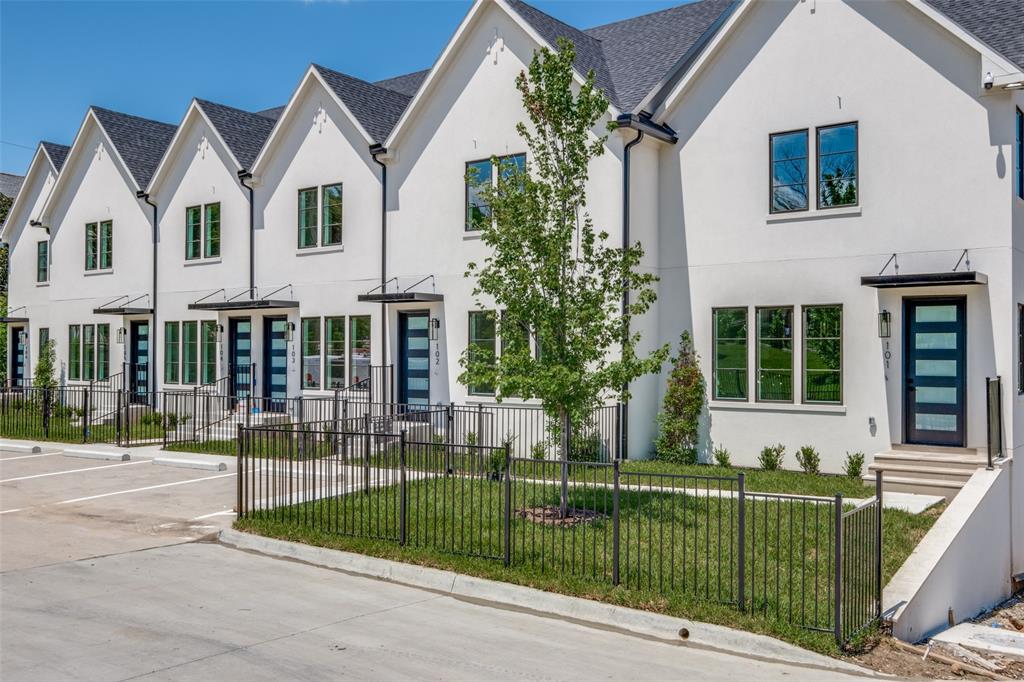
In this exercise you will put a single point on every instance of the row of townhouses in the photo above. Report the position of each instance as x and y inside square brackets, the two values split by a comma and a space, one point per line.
[831, 193]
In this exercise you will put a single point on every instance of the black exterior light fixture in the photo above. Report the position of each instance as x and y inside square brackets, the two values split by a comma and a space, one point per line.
[884, 324]
[435, 326]
[289, 332]
[120, 335]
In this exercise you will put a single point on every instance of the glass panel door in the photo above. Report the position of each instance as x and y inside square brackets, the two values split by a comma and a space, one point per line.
[935, 365]
[17, 356]
[275, 363]
[138, 361]
[240, 350]
[414, 382]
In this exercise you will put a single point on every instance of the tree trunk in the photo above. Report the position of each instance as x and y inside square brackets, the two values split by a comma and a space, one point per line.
[563, 508]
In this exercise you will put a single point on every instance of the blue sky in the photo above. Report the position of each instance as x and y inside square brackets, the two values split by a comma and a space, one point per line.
[150, 58]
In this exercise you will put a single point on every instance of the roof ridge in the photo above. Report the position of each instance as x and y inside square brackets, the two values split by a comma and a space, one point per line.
[639, 16]
[134, 116]
[357, 79]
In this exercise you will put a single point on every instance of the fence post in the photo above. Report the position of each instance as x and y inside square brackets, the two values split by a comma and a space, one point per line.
[480, 424]
[508, 505]
[240, 456]
[838, 588]
[878, 544]
[741, 553]
[302, 429]
[86, 414]
[195, 415]
[117, 419]
[449, 417]
[46, 412]
[334, 422]
[402, 507]
[615, 522]
[366, 454]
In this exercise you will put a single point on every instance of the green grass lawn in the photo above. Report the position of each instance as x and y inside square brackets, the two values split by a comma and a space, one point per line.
[66, 429]
[677, 556]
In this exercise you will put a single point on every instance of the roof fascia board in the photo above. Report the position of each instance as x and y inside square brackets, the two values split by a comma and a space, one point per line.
[19, 201]
[286, 115]
[193, 109]
[965, 36]
[457, 38]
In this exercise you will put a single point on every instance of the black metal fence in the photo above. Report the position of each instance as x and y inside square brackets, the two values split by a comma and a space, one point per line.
[813, 562]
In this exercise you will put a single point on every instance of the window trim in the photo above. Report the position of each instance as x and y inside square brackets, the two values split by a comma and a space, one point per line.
[44, 245]
[714, 354]
[771, 169]
[803, 354]
[757, 355]
[817, 163]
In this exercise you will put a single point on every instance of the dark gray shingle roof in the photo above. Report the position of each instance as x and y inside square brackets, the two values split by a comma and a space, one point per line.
[406, 84]
[243, 131]
[377, 109]
[58, 153]
[997, 23]
[10, 184]
[273, 112]
[140, 141]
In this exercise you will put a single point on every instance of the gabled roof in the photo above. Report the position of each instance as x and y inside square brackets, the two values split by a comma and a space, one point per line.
[242, 131]
[10, 184]
[997, 23]
[273, 112]
[406, 84]
[376, 108]
[140, 142]
[58, 153]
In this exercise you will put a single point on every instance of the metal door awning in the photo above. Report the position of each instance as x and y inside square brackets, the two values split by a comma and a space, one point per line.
[113, 307]
[236, 302]
[13, 320]
[924, 279]
[380, 294]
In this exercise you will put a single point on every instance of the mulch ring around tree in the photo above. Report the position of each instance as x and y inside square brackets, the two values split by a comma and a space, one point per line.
[552, 516]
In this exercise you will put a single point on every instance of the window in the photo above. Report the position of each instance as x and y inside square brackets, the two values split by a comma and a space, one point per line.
[91, 245]
[311, 352]
[208, 351]
[99, 245]
[331, 221]
[1020, 154]
[74, 352]
[102, 352]
[334, 348]
[788, 171]
[775, 354]
[42, 261]
[171, 357]
[307, 218]
[358, 348]
[189, 352]
[482, 345]
[823, 354]
[729, 371]
[211, 231]
[478, 176]
[193, 232]
[837, 165]
[88, 351]
[44, 338]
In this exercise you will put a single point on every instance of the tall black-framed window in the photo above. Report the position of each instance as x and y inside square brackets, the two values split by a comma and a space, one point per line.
[189, 352]
[307, 217]
[74, 352]
[483, 343]
[320, 216]
[193, 232]
[211, 230]
[1020, 154]
[823, 354]
[481, 174]
[729, 360]
[172, 353]
[102, 352]
[334, 352]
[330, 221]
[775, 354]
[838, 180]
[44, 338]
[358, 349]
[42, 261]
[788, 168]
[208, 351]
[88, 352]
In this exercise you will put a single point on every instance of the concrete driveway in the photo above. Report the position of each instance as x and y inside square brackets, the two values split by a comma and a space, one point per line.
[103, 579]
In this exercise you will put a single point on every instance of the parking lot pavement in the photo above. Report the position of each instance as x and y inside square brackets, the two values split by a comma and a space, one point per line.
[202, 611]
[57, 508]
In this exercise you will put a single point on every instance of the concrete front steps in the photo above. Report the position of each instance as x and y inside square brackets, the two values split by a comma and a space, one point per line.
[926, 470]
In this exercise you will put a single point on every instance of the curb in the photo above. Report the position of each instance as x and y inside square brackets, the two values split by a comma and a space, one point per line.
[190, 464]
[98, 454]
[18, 447]
[584, 611]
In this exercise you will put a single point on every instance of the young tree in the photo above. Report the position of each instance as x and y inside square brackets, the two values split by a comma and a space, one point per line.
[553, 276]
[679, 420]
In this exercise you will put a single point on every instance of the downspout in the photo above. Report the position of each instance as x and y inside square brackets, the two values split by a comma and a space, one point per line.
[244, 175]
[152, 334]
[624, 425]
[376, 151]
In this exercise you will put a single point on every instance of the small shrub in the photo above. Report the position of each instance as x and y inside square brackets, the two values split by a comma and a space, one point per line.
[809, 460]
[539, 450]
[471, 438]
[496, 464]
[771, 456]
[585, 447]
[854, 464]
[679, 419]
[723, 458]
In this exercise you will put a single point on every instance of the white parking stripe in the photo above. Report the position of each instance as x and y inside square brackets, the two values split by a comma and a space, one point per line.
[72, 471]
[210, 516]
[139, 490]
[11, 459]
[9, 511]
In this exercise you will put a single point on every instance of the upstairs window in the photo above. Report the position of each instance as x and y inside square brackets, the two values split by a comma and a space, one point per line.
[193, 232]
[211, 231]
[481, 174]
[837, 166]
[789, 171]
[99, 245]
[320, 216]
[202, 231]
[42, 261]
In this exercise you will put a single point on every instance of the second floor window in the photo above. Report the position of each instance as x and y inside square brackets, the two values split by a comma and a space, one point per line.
[789, 171]
[320, 216]
[202, 231]
[837, 165]
[42, 261]
[99, 245]
[480, 174]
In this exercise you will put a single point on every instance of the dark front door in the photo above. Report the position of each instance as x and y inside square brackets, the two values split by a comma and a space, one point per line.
[275, 363]
[138, 360]
[414, 358]
[935, 365]
[240, 353]
[17, 340]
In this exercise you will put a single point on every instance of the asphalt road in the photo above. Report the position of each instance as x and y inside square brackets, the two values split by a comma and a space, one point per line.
[103, 579]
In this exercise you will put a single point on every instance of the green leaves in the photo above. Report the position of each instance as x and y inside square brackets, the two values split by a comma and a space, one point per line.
[553, 276]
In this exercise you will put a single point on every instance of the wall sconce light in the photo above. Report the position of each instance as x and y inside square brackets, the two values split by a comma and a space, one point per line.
[120, 335]
[22, 337]
[289, 332]
[435, 326]
[220, 332]
[884, 324]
